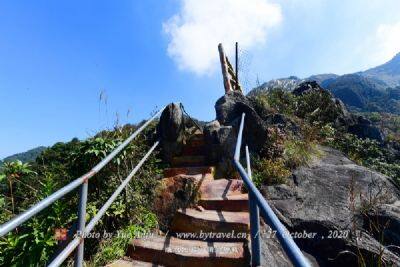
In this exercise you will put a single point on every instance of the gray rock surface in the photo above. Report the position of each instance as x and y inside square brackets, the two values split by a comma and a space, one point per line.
[335, 194]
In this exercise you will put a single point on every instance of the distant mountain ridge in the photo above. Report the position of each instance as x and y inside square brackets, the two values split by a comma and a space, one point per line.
[26, 156]
[376, 89]
[388, 72]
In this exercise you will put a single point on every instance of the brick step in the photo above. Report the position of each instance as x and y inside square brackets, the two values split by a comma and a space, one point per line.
[132, 263]
[171, 251]
[228, 203]
[193, 150]
[196, 142]
[197, 135]
[217, 222]
[203, 170]
[220, 188]
[183, 161]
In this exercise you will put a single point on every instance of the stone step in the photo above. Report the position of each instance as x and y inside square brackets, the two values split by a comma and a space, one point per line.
[220, 188]
[211, 221]
[132, 263]
[182, 161]
[203, 170]
[171, 251]
[228, 203]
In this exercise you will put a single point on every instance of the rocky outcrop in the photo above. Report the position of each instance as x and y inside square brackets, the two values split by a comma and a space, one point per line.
[333, 197]
[307, 87]
[171, 130]
[229, 109]
[334, 108]
[363, 128]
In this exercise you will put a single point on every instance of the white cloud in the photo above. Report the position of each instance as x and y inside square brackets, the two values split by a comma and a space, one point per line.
[201, 24]
[380, 45]
[388, 38]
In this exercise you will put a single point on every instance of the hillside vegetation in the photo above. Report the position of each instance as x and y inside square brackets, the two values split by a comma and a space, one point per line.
[23, 184]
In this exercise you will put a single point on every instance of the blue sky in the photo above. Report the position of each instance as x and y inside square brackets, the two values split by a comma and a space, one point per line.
[58, 57]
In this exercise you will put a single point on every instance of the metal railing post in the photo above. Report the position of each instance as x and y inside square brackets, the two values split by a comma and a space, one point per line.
[254, 221]
[81, 224]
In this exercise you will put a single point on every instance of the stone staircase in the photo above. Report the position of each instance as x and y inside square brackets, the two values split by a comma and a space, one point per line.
[212, 234]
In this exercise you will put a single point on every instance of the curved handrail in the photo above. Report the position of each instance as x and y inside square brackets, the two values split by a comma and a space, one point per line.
[288, 244]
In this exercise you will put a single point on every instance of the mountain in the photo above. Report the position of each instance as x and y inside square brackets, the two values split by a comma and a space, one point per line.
[388, 72]
[355, 90]
[376, 89]
[323, 79]
[26, 156]
[288, 84]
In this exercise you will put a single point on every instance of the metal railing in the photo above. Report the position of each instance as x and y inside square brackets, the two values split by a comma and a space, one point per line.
[82, 229]
[258, 205]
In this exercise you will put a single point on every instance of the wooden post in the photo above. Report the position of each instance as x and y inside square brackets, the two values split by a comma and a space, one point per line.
[224, 67]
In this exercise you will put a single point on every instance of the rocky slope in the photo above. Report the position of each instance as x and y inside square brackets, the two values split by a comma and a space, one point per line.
[340, 202]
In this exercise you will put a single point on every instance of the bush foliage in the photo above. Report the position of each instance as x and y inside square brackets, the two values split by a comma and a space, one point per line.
[21, 185]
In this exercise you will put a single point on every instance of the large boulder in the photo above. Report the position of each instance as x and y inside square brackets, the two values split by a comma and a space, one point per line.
[220, 141]
[230, 108]
[334, 198]
[171, 129]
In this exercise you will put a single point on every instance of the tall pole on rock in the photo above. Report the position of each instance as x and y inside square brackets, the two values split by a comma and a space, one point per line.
[224, 67]
[237, 64]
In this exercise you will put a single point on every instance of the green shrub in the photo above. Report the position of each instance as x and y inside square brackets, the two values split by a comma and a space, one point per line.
[277, 100]
[298, 153]
[374, 116]
[359, 150]
[274, 145]
[270, 172]
[327, 132]
[317, 106]
[114, 248]
[368, 153]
